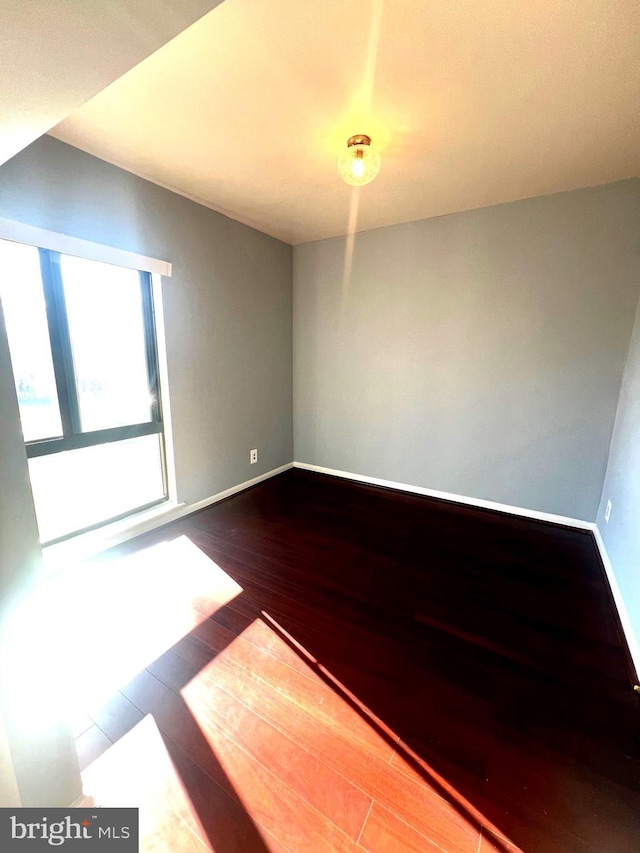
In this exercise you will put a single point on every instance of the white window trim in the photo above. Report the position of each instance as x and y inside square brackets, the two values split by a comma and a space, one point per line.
[163, 370]
[19, 232]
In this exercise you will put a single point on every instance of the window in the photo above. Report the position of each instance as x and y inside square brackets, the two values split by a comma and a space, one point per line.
[83, 349]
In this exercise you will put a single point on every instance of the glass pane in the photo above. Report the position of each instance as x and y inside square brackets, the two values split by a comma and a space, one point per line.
[80, 488]
[106, 324]
[26, 320]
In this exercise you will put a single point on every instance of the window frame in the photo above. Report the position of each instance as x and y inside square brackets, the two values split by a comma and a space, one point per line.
[73, 437]
[157, 270]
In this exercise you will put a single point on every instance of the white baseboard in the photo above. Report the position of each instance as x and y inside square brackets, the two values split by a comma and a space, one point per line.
[448, 496]
[625, 621]
[189, 508]
[61, 556]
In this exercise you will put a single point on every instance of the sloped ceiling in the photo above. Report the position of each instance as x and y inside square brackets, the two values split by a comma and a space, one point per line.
[54, 56]
[469, 104]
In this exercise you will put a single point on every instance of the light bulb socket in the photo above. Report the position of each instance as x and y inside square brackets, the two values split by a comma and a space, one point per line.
[359, 139]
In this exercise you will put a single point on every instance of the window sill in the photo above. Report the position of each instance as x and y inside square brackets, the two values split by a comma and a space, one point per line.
[65, 554]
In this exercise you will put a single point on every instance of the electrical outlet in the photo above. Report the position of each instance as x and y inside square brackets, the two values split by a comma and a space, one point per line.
[254, 456]
[607, 512]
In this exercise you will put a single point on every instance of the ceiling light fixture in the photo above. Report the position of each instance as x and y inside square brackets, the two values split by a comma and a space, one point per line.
[360, 163]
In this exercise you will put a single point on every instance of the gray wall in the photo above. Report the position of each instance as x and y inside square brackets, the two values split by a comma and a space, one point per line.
[622, 487]
[479, 354]
[227, 305]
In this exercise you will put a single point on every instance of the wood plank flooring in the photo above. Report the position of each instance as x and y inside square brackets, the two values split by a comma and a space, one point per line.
[318, 665]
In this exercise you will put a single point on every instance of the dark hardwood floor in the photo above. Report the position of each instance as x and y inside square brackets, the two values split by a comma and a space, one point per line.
[318, 665]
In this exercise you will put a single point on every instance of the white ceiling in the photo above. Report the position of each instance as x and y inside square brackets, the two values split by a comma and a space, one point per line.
[469, 103]
[55, 56]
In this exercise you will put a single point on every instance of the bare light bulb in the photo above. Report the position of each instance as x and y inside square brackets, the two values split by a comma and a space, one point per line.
[360, 163]
[357, 166]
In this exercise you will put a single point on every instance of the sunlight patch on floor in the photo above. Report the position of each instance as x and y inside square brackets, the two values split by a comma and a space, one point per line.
[270, 711]
[328, 678]
[138, 772]
[107, 619]
[298, 687]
